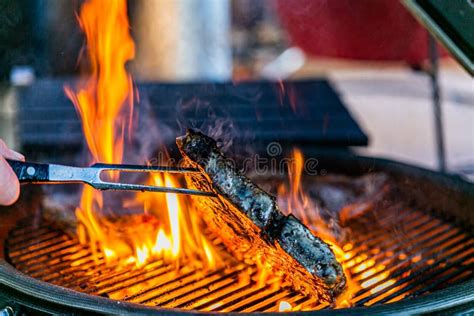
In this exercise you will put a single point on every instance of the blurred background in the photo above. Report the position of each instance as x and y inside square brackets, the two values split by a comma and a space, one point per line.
[374, 53]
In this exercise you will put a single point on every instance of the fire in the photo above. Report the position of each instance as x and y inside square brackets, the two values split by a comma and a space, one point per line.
[105, 100]
[162, 243]
[362, 273]
[300, 204]
[173, 212]
[162, 226]
[180, 237]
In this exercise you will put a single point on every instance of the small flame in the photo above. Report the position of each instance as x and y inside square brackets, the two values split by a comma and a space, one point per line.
[297, 200]
[142, 255]
[162, 243]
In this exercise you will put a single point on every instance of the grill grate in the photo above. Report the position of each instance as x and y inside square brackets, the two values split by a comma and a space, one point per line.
[405, 254]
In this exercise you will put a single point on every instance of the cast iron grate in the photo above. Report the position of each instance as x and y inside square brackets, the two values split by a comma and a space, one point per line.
[396, 254]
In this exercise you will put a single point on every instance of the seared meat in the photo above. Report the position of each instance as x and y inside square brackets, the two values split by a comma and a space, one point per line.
[251, 225]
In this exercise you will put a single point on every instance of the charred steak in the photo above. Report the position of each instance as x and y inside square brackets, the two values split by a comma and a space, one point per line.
[251, 225]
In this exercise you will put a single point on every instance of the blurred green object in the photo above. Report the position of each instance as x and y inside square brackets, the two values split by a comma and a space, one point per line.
[452, 23]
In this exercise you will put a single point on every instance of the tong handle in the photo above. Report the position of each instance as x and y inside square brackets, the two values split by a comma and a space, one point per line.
[28, 172]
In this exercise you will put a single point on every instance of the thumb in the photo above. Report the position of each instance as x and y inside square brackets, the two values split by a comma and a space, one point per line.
[9, 185]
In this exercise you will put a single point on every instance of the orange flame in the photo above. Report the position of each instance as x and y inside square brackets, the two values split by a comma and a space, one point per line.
[298, 202]
[302, 206]
[167, 227]
[362, 272]
[104, 102]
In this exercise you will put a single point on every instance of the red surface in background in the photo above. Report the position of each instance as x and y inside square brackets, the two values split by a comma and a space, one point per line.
[355, 29]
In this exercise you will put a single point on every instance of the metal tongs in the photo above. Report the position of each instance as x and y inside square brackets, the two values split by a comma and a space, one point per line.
[29, 172]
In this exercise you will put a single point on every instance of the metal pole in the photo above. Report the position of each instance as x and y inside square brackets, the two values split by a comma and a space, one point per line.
[438, 118]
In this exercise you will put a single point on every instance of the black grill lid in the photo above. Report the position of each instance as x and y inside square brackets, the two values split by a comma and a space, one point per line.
[452, 22]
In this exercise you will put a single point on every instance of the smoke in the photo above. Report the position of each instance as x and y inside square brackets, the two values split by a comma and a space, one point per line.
[210, 118]
[149, 135]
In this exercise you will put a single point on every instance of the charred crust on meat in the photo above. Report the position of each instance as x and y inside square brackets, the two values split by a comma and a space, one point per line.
[250, 223]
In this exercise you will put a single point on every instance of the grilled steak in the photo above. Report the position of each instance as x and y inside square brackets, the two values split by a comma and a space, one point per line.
[251, 225]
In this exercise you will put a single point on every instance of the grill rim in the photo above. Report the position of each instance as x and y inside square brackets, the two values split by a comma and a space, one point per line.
[27, 290]
[40, 295]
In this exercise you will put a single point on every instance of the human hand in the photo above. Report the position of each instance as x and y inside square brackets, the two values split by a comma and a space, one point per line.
[9, 185]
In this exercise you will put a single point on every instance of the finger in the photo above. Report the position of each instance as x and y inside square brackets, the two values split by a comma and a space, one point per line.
[9, 185]
[9, 153]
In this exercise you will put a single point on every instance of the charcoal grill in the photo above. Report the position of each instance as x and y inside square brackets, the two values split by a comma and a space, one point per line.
[425, 243]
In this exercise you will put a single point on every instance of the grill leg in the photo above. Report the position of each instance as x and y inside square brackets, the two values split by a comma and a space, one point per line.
[438, 118]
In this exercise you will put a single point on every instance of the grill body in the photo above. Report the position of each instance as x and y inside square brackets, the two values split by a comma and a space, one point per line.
[428, 269]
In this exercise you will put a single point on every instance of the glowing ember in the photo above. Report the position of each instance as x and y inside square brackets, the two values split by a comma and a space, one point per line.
[375, 280]
[363, 266]
[382, 286]
[284, 306]
[162, 225]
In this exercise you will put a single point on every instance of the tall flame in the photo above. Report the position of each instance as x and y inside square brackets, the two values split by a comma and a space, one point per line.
[101, 101]
[166, 227]
[104, 102]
